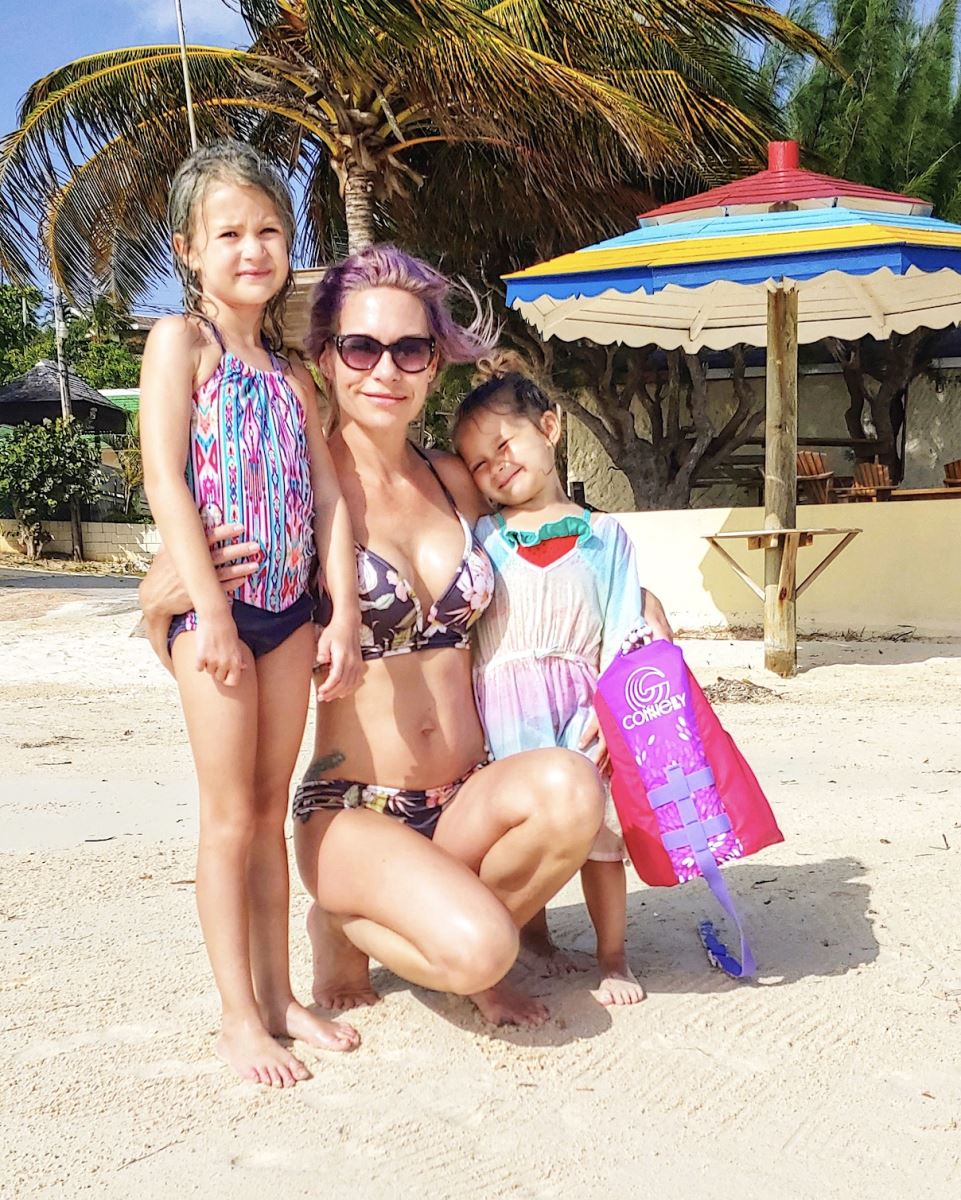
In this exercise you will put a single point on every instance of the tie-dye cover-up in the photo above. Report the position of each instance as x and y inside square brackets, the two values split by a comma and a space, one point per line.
[549, 632]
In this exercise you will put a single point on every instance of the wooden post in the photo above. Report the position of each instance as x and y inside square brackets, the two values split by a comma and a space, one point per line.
[780, 480]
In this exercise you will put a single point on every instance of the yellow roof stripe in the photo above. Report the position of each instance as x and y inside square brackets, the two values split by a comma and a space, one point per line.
[692, 250]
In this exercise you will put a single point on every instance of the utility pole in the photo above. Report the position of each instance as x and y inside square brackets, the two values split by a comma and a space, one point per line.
[66, 410]
[183, 62]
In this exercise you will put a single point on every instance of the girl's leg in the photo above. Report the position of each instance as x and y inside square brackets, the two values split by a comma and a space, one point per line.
[386, 892]
[222, 727]
[605, 891]
[283, 690]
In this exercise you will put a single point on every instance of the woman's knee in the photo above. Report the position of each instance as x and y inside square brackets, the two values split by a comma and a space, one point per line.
[570, 795]
[475, 952]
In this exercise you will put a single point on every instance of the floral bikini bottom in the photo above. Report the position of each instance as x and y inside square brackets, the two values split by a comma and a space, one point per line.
[419, 808]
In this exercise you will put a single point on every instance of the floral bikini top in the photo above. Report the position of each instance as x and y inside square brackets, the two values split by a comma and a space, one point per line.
[392, 618]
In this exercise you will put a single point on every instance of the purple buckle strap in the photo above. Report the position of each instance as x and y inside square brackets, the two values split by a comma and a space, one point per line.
[679, 790]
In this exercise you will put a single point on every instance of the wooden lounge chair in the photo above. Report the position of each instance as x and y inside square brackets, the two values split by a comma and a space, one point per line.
[815, 481]
[952, 474]
[872, 482]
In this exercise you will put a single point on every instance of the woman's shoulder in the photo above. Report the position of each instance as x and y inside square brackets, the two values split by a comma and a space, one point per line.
[458, 481]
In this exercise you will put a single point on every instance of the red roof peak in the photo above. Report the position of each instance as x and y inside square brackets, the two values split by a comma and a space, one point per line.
[785, 183]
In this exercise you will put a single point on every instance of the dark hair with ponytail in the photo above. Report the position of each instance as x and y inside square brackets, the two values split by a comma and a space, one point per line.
[504, 391]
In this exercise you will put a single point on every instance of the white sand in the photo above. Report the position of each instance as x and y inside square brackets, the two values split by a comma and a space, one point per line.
[838, 1074]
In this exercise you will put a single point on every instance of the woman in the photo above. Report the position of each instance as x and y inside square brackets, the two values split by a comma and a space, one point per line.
[417, 851]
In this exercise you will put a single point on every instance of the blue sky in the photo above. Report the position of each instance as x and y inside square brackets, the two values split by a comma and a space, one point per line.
[69, 29]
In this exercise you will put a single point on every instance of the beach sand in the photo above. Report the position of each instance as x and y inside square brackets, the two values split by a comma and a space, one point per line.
[836, 1074]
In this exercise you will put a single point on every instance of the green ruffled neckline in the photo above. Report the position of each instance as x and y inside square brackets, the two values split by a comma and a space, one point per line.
[565, 527]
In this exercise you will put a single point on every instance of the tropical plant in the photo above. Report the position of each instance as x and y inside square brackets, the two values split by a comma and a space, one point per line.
[92, 345]
[45, 469]
[892, 119]
[356, 96]
[126, 446]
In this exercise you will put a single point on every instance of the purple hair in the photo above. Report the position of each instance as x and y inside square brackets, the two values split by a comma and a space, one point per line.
[384, 265]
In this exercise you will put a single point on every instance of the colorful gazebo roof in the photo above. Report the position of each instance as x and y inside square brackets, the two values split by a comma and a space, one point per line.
[872, 263]
[784, 182]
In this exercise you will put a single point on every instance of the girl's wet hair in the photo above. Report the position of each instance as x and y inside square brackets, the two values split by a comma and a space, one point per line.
[384, 265]
[505, 391]
[227, 162]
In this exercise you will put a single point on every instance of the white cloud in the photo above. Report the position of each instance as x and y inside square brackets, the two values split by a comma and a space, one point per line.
[204, 20]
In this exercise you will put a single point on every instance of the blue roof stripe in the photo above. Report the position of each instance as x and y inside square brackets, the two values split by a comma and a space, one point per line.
[861, 260]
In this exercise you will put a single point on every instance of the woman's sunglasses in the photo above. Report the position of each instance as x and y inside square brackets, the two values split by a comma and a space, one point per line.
[362, 353]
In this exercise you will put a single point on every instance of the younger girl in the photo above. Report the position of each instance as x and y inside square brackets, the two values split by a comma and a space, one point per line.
[566, 594]
[218, 403]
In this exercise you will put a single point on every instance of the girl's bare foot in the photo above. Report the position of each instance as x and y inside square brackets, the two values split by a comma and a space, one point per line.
[539, 953]
[341, 971]
[618, 983]
[503, 1005]
[246, 1046]
[295, 1021]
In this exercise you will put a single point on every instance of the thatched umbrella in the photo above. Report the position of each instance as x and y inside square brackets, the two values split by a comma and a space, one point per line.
[33, 397]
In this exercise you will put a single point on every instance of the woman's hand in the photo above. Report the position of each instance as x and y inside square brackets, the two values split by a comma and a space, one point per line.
[594, 745]
[338, 663]
[162, 594]
[218, 647]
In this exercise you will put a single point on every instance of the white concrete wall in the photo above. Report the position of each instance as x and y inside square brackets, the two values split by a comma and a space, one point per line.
[902, 571]
[102, 541]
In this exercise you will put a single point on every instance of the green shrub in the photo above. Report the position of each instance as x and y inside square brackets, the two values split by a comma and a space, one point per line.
[44, 468]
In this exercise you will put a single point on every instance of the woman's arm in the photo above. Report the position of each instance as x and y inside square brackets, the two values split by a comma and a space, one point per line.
[162, 594]
[339, 644]
[170, 362]
[460, 483]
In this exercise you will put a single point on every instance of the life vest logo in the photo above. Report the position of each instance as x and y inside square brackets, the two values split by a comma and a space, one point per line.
[648, 692]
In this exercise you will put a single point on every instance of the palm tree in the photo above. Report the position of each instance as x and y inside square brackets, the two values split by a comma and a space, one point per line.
[355, 97]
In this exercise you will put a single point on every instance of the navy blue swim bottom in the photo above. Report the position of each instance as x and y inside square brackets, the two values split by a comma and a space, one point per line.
[260, 630]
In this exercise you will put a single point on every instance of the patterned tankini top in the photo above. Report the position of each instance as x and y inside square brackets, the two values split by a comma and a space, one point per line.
[249, 464]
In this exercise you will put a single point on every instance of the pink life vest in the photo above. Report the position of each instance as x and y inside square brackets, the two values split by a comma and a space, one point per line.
[686, 799]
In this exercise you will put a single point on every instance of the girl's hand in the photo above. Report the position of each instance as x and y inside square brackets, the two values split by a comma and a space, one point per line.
[594, 745]
[338, 664]
[656, 618]
[218, 649]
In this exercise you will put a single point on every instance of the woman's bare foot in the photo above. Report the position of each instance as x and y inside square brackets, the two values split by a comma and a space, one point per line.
[246, 1046]
[503, 1005]
[341, 971]
[618, 984]
[539, 953]
[294, 1021]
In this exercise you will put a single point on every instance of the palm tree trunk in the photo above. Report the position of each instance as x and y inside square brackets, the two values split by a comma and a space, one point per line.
[359, 209]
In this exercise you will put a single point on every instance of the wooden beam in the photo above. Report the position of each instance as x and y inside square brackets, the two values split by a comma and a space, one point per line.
[780, 480]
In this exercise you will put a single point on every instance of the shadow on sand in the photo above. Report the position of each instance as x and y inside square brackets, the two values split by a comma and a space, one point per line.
[802, 919]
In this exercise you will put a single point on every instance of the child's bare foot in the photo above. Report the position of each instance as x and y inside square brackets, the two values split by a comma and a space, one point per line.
[504, 1005]
[618, 984]
[540, 954]
[294, 1021]
[341, 971]
[246, 1046]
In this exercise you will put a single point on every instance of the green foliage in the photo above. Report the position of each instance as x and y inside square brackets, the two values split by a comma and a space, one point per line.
[43, 470]
[19, 325]
[92, 345]
[894, 119]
